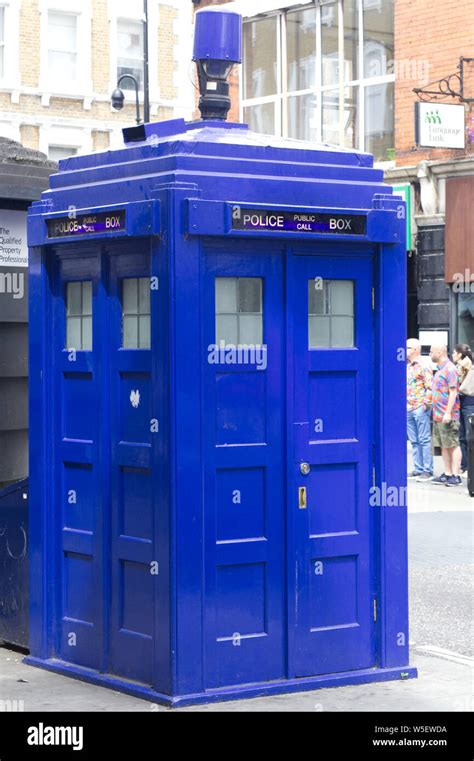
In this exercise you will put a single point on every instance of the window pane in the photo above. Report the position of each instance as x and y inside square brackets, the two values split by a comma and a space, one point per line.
[226, 295]
[260, 57]
[144, 293]
[87, 298]
[130, 296]
[329, 44]
[301, 45]
[130, 51]
[261, 118]
[58, 152]
[145, 332]
[73, 338]
[342, 332]
[318, 332]
[86, 334]
[378, 37]
[379, 121]
[331, 117]
[74, 298]
[351, 38]
[62, 66]
[250, 329]
[62, 32]
[130, 332]
[250, 294]
[342, 297]
[303, 117]
[317, 297]
[351, 133]
[466, 319]
[227, 329]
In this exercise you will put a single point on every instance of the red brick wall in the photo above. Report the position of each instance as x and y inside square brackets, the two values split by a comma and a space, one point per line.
[433, 35]
[234, 113]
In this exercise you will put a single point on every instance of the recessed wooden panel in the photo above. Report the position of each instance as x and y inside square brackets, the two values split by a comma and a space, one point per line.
[459, 228]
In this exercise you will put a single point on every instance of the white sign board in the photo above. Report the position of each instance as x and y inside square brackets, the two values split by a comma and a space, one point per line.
[13, 244]
[440, 125]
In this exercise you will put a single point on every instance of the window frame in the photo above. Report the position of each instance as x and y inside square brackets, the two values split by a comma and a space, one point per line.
[11, 79]
[81, 316]
[283, 95]
[138, 314]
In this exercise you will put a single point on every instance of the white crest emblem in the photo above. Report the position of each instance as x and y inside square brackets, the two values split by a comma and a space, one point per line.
[135, 399]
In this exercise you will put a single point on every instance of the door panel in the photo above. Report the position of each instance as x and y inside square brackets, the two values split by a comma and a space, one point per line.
[331, 356]
[243, 467]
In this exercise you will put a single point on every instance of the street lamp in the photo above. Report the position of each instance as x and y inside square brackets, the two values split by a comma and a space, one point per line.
[118, 97]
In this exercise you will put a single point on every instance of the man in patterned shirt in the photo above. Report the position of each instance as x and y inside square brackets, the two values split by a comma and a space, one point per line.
[419, 386]
[446, 415]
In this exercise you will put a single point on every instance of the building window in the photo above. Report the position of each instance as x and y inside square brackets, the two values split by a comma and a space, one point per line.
[323, 73]
[58, 152]
[330, 314]
[2, 41]
[239, 315]
[465, 319]
[136, 313]
[79, 316]
[62, 47]
[130, 43]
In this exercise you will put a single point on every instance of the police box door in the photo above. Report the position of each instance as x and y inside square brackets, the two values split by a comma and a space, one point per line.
[103, 459]
[330, 462]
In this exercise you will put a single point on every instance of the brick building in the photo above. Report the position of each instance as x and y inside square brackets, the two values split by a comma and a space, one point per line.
[343, 72]
[59, 63]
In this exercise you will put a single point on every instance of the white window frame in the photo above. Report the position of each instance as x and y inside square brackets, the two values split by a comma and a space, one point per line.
[83, 87]
[281, 125]
[11, 80]
[132, 10]
[67, 137]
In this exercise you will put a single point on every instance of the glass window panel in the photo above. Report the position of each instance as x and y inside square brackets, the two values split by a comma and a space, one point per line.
[316, 297]
[227, 329]
[73, 338]
[130, 51]
[342, 332]
[331, 117]
[466, 319]
[2, 24]
[58, 152]
[62, 66]
[329, 44]
[144, 293]
[379, 121]
[378, 37]
[86, 334]
[226, 295]
[130, 332]
[261, 118]
[62, 30]
[250, 329]
[342, 297]
[130, 296]
[303, 117]
[250, 294]
[351, 133]
[87, 298]
[351, 39]
[319, 332]
[301, 46]
[145, 332]
[260, 57]
[74, 298]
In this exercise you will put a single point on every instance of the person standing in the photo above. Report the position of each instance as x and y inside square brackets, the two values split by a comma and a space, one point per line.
[419, 391]
[446, 415]
[462, 357]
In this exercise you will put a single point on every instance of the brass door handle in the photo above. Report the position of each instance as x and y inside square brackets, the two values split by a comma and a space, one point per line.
[302, 498]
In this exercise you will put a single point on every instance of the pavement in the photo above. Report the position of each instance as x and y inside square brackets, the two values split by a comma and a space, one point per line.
[441, 634]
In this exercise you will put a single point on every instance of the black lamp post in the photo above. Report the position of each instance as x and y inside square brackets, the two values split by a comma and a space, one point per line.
[118, 97]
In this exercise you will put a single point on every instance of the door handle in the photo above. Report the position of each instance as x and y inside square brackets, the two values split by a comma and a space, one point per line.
[302, 498]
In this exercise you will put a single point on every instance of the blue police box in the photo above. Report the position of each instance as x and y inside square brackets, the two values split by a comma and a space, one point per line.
[218, 443]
